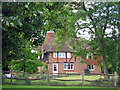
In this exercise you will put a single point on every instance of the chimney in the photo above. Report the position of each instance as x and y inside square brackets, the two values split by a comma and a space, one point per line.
[49, 36]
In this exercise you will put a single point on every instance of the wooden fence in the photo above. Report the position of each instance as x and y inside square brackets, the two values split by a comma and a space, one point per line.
[54, 77]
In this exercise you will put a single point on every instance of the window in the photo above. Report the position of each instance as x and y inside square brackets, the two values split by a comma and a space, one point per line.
[89, 56]
[68, 54]
[55, 67]
[91, 67]
[68, 66]
[55, 54]
[61, 54]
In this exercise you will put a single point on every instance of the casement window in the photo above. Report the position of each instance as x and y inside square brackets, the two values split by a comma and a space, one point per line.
[61, 54]
[89, 56]
[68, 54]
[91, 67]
[55, 54]
[68, 66]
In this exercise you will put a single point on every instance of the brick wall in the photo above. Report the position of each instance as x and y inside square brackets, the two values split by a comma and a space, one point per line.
[78, 67]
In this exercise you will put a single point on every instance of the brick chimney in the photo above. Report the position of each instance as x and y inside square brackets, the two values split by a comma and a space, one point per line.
[49, 36]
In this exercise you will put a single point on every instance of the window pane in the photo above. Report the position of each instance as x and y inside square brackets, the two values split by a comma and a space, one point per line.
[92, 66]
[89, 67]
[68, 54]
[60, 54]
[71, 66]
[55, 54]
[64, 66]
[63, 55]
[68, 66]
[89, 56]
[55, 67]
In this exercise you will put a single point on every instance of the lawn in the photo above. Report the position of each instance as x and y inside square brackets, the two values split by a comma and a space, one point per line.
[38, 86]
[63, 83]
[86, 77]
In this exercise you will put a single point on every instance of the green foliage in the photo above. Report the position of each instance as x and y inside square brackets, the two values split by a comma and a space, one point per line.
[33, 20]
[30, 62]
[30, 23]
[21, 21]
[97, 18]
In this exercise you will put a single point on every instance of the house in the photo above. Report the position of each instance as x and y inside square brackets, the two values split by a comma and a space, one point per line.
[63, 60]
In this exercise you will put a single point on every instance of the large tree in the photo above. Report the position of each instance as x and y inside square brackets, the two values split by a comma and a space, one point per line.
[24, 22]
[100, 20]
[103, 27]
[21, 22]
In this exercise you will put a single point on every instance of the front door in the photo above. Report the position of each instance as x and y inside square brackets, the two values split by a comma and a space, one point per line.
[55, 68]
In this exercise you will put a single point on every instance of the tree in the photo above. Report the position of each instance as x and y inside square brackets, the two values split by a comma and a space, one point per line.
[35, 19]
[29, 63]
[30, 23]
[100, 19]
[97, 18]
[19, 28]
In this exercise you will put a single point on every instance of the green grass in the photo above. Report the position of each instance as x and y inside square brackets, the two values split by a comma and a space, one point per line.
[38, 86]
[56, 82]
[87, 77]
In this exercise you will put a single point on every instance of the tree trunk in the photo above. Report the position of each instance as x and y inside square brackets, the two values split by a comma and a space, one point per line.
[105, 67]
[104, 61]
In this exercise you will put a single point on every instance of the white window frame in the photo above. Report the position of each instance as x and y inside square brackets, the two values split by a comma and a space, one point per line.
[89, 54]
[56, 68]
[91, 69]
[62, 54]
[55, 54]
[67, 66]
[68, 55]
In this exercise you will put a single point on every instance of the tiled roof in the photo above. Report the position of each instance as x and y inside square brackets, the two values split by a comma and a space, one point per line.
[50, 47]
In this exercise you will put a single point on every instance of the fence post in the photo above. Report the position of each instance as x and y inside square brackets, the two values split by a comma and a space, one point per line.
[82, 78]
[115, 75]
[48, 78]
[11, 78]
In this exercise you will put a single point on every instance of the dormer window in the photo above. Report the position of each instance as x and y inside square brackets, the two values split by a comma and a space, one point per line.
[89, 56]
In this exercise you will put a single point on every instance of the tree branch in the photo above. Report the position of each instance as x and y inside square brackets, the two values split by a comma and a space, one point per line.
[105, 26]
[94, 26]
[83, 28]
